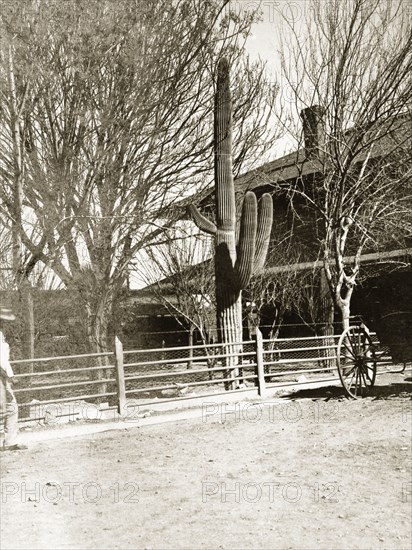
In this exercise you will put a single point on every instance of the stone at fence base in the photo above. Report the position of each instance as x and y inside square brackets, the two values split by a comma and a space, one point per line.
[62, 413]
[170, 393]
[146, 413]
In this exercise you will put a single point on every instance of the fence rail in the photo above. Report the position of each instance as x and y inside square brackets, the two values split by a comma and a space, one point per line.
[167, 374]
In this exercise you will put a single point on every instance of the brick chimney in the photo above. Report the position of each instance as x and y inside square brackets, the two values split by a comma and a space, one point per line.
[313, 121]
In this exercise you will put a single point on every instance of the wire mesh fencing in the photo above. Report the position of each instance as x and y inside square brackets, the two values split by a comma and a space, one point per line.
[173, 372]
[66, 386]
[306, 356]
[62, 380]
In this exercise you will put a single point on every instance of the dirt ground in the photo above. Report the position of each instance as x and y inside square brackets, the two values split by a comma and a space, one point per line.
[311, 471]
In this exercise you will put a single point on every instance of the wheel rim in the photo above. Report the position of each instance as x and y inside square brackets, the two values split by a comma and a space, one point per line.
[356, 362]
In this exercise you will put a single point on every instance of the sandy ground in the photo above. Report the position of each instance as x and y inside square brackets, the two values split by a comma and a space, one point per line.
[314, 471]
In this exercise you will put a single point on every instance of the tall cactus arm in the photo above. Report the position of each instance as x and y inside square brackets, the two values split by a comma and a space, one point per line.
[225, 190]
[265, 221]
[201, 221]
[247, 241]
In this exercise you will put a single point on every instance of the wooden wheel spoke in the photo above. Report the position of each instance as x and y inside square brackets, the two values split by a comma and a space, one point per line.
[353, 347]
[349, 349]
[353, 391]
[349, 385]
[356, 361]
[358, 377]
[365, 383]
[349, 369]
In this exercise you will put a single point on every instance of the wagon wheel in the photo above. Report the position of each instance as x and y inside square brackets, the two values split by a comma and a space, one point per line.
[356, 361]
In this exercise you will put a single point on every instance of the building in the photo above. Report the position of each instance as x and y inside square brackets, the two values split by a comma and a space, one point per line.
[298, 224]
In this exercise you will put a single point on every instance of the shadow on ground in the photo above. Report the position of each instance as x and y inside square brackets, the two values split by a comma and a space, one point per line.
[326, 393]
[394, 390]
[391, 390]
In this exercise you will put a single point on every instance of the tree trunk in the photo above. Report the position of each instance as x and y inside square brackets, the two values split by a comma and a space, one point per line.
[27, 313]
[273, 336]
[190, 361]
[22, 283]
[344, 307]
[326, 317]
[97, 320]
[99, 344]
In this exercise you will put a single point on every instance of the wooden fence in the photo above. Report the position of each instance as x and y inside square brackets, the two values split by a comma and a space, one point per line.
[139, 378]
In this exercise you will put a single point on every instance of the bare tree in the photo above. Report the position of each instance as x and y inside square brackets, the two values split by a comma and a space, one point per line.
[353, 61]
[181, 277]
[6, 250]
[277, 293]
[115, 127]
[22, 264]
[290, 288]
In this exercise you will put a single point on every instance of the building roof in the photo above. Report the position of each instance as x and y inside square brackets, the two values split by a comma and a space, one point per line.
[396, 133]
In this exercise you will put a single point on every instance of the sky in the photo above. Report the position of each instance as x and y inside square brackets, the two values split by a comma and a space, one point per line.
[265, 39]
[265, 42]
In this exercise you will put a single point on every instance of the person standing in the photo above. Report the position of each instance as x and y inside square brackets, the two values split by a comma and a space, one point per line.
[8, 404]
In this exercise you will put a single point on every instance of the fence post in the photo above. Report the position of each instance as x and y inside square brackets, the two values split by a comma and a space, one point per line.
[259, 363]
[121, 386]
[190, 359]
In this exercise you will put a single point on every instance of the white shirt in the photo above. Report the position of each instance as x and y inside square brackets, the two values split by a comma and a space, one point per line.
[5, 356]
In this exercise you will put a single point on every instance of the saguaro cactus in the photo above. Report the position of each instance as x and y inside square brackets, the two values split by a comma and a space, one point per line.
[235, 261]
